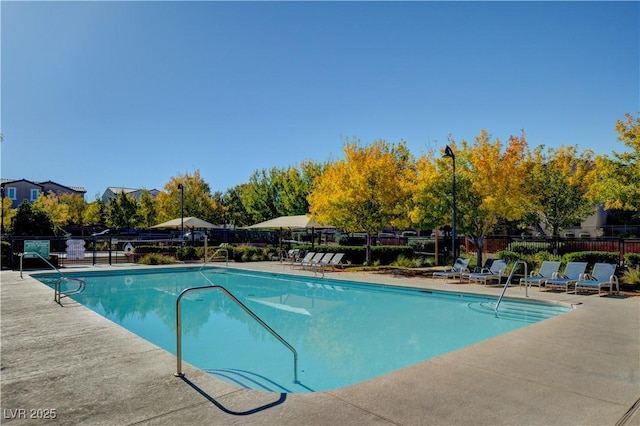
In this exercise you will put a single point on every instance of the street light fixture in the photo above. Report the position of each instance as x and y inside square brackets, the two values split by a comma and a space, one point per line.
[448, 152]
[181, 188]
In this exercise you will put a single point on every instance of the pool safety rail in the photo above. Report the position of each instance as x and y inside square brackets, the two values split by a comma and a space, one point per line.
[226, 261]
[179, 372]
[58, 294]
[508, 283]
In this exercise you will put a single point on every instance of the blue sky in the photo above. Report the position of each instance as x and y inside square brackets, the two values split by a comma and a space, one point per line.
[99, 94]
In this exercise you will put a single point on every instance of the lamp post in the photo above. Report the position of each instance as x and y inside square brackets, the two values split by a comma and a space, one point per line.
[448, 152]
[181, 188]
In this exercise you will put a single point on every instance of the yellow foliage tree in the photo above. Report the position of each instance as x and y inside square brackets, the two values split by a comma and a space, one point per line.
[7, 212]
[76, 206]
[57, 211]
[197, 198]
[489, 186]
[618, 181]
[366, 191]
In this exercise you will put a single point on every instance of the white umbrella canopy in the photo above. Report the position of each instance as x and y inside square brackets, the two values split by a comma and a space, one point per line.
[297, 222]
[189, 222]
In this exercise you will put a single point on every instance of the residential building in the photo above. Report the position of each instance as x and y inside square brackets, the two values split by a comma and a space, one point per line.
[19, 190]
[112, 192]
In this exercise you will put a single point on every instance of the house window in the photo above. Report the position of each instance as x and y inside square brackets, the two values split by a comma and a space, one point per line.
[34, 194]
[11, 192]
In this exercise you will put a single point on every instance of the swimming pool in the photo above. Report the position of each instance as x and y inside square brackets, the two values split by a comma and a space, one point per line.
[343, 332]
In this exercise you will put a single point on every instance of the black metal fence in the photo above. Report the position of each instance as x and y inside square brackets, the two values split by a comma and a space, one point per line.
[114, 249]
[122, 249]
[555, 245]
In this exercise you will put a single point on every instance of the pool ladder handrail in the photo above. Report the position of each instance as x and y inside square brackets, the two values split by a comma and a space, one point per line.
[504, 289]
[226, 251]
[57, 293]
[179, 372]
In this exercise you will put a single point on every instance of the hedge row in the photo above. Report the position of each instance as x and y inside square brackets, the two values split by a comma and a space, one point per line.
[534, 261]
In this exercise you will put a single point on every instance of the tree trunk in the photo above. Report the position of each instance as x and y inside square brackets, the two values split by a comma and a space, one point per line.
[368, 250]
[479, 242]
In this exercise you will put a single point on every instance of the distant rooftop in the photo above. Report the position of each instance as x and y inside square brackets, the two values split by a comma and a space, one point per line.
[75, 188]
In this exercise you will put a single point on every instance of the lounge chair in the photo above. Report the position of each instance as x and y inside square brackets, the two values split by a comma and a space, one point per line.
[335, 261]
[572, 273]
[548, 270]
[307, 258]
[321, 261]
[603, 275]
[314, 259]
[498, 268]
[478, 269]
[456, 271]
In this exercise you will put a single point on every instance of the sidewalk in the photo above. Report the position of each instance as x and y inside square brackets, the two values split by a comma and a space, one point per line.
[581, 368]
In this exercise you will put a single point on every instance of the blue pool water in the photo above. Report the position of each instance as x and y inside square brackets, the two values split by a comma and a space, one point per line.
[344, 332]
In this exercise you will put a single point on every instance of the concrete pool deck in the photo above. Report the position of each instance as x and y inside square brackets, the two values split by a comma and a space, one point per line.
[581, 368]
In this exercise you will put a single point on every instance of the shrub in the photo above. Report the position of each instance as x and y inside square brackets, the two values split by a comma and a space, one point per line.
[386, 255]
[403, 262]
[187, 253]
[247, 254]
[592, 257]
[156, 259]
[529, 248]
[631, 276]
[533, 261]
[632, 260]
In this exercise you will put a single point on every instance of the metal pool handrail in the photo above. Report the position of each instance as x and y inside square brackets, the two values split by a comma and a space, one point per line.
[57, 294]
[226, 251]
[179, 372]
[504, 289]
[34, 253]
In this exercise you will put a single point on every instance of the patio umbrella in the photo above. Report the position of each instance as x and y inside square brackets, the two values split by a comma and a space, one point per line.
[189, 222]
[295, 222]
[302, 221]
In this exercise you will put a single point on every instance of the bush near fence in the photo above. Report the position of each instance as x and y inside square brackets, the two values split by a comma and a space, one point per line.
[632, 260]
[593, 257]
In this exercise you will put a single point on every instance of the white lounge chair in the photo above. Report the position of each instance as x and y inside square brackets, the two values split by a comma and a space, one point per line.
[548, 270]
[572, 273]
[336, 261]
[305, 260]
[459, 267]
[321, 262]
[498, 268]
[603, 275]
[331, 260]
[314, 259]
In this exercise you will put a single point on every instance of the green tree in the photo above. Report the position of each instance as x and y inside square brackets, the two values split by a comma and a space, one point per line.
[366, 191]
[295, 186]
[122, 212]
[32, 221]
[235, 213]
[147, 210]
[279, 191]
[260, 196]
[559, 181]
